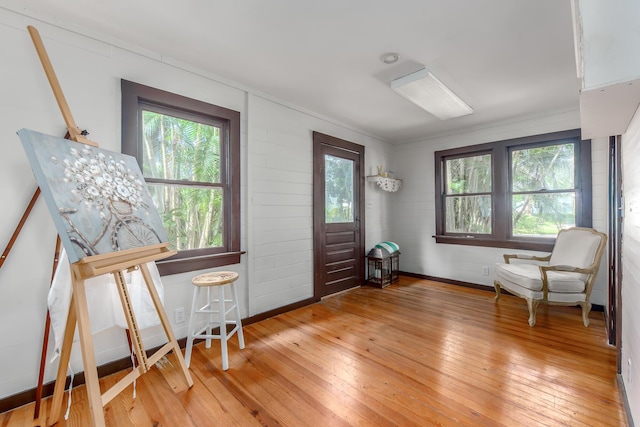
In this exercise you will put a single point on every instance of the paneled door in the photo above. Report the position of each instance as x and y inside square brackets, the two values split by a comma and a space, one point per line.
[338, 214]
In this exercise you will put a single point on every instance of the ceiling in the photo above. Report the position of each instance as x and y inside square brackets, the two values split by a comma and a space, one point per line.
[507, 59]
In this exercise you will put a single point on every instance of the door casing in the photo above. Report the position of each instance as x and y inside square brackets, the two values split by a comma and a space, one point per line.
[322, 143]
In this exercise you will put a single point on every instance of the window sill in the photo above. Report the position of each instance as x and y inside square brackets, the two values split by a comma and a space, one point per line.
[542, 246]
[183, 265]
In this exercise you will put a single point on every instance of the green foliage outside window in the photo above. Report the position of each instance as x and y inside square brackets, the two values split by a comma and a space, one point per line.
[182, 159]
[467, 209]
[543, 190]
[338, 189]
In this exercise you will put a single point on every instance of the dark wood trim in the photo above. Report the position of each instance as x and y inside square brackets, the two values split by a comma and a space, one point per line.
[181, 265]
[595, 307]
[501, 226]
[133, 96]
[507, 244]
[447, 281]
[279, 310]
[28, 396]
[614, 312]
[319, 240]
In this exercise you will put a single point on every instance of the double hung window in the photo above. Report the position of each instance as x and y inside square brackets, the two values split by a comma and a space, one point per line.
[516, 193]
[188, 152]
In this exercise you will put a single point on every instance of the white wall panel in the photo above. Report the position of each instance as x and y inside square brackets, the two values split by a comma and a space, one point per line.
[631, 266]
[281, 200]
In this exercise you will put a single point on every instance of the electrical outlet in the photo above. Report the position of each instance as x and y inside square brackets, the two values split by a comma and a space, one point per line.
[485, 270]
[178, 315]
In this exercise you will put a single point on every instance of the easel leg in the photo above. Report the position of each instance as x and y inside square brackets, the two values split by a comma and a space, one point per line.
[165, 322]
[88, 357]
[65, 355]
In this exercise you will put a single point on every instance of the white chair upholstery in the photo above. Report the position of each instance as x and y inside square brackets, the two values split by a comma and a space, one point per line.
[565, 277]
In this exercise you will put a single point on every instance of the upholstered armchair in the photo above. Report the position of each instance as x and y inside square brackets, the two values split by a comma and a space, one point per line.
[565, 277]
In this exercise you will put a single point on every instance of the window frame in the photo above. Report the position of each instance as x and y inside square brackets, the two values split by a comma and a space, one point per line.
[136, 96]
[501, 220]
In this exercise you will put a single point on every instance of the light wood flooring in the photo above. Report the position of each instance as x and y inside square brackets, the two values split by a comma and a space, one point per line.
[415, 353]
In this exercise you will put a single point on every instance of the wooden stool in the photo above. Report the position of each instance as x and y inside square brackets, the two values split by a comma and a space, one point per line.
[209, 280]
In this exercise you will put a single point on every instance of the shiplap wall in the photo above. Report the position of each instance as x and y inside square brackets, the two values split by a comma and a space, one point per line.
[281, 205]
[631, 265]
[276, 190]
[413, 222]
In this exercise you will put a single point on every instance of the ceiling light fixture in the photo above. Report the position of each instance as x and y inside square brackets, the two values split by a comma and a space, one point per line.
[425, 90]
[390, 58]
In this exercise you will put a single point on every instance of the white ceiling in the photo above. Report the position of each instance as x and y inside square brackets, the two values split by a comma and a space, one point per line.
[505, 58]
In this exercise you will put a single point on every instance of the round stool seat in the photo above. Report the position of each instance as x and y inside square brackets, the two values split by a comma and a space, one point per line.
[215, 278]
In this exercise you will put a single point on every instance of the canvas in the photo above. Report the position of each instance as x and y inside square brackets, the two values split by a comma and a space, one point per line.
[97, 198]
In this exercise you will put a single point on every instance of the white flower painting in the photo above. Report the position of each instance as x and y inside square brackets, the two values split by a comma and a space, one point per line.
[97, 198]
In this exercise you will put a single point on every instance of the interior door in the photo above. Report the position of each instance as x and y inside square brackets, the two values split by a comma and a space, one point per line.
[338, 214]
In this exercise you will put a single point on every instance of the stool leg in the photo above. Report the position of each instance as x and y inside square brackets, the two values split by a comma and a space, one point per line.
[238, 318]
[210, 319]
[190, 329]
[223, 329]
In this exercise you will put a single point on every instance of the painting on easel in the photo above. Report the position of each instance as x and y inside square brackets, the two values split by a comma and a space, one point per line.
[97, 198]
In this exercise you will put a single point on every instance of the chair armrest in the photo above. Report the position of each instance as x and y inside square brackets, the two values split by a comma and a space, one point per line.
[569, 268]
[508, 257]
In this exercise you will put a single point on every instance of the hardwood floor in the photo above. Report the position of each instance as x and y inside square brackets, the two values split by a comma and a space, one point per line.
[415, 353]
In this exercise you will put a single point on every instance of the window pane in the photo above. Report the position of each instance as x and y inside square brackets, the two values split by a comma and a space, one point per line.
[468, 175]
[468, 214]
[338, 186]
[179, 149]
[550, 168]
[192, 216]
[543, 214]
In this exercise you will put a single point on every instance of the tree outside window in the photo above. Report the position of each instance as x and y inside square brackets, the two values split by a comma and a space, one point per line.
[514, 193]
[543, 190]
[189, 155]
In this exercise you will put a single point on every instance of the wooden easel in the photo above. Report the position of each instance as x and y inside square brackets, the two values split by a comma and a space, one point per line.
[112, 263]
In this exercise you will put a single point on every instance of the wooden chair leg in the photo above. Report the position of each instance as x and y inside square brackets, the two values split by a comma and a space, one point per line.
[586, 309]
[532, 304]
[497, 286]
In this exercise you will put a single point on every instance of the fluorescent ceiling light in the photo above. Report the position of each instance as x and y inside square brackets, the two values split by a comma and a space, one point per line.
[425, 90]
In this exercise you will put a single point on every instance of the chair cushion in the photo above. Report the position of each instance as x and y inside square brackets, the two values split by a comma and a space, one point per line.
[575, 247]
[528, 276]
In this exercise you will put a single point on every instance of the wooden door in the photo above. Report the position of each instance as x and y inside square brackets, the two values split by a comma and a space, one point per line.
[338, 214]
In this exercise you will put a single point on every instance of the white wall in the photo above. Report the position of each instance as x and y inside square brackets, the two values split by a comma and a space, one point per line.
[631, 265]
[281, 206]
[276, 159]
[610, 35]
[413, 222]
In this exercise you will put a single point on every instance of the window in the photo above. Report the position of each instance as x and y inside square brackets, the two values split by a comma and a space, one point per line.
[189, 154]
[515, 194]
[338, 189]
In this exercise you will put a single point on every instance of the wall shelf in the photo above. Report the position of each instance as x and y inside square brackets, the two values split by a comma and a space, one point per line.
[387, 184]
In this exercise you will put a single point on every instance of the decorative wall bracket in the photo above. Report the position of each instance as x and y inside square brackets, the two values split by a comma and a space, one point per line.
[387, 184]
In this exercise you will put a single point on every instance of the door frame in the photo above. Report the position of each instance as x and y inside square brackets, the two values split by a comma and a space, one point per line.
[614, 308]
[320, 139]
